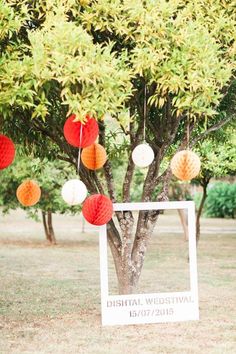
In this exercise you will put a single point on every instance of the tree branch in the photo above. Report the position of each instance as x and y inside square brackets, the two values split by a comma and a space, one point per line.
[97, 182]
[67, 159]
[212, 129]
[128, 180]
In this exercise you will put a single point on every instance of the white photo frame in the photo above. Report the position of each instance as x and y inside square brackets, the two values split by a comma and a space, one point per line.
[152, 307]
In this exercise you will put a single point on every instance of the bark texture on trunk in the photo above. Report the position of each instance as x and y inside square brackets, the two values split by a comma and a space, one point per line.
[48, 227]
[45, 225]
[204, 185]
[129, 256]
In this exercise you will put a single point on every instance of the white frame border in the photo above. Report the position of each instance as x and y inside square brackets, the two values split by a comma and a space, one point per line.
[133, 309]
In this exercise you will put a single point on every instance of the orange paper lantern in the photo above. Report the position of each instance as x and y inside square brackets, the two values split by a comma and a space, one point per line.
[28, 193]
[185, 165]
[94, 156]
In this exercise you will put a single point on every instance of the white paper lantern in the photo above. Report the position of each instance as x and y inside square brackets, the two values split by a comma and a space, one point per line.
[74, 192]
[143, 155]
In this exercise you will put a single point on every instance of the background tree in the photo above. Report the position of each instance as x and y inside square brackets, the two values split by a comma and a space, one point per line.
[217, 161]
[59, 57]
[50, 176]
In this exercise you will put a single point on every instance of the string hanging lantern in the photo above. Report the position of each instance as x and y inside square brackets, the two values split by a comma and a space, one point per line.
[72, 131]
[94, 156]
[185, 165]
[74, 192]
[97, 209]
[143, 154]
[28, 193]
[7, 151]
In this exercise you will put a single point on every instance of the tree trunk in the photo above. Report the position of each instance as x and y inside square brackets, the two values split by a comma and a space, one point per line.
[130, 254]
[184, 223]
[199, 213]
[121, 251]
[45, 226]
[48, 228]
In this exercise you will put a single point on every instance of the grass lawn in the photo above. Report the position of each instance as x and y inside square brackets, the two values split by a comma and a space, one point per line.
[50, 296]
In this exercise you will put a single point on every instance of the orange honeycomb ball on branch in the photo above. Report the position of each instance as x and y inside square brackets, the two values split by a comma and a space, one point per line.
[28, 193]
[94, 156]
[185, 165]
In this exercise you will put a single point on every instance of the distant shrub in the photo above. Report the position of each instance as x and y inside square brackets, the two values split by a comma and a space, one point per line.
[221, 201]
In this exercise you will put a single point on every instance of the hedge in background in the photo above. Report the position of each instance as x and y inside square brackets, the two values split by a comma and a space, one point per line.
[221, 201]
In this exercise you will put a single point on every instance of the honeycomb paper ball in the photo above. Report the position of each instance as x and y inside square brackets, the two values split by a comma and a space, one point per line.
[97, 209]
[94, 156]
[7, 151]
[185, 165]
[143, 155]
[74, 192]
[72, 131]
[28, 193]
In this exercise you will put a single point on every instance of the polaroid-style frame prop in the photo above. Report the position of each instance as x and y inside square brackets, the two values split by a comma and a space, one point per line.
[153, 307]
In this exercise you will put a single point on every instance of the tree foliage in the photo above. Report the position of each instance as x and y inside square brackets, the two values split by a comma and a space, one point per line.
[217, 156]
[96, 52]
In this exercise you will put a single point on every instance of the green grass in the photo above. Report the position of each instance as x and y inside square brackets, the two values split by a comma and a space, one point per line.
[50, 296]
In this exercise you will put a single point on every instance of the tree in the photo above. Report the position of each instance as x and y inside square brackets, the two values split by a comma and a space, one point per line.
[159, 67]
[50, 177]
[217, 161]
